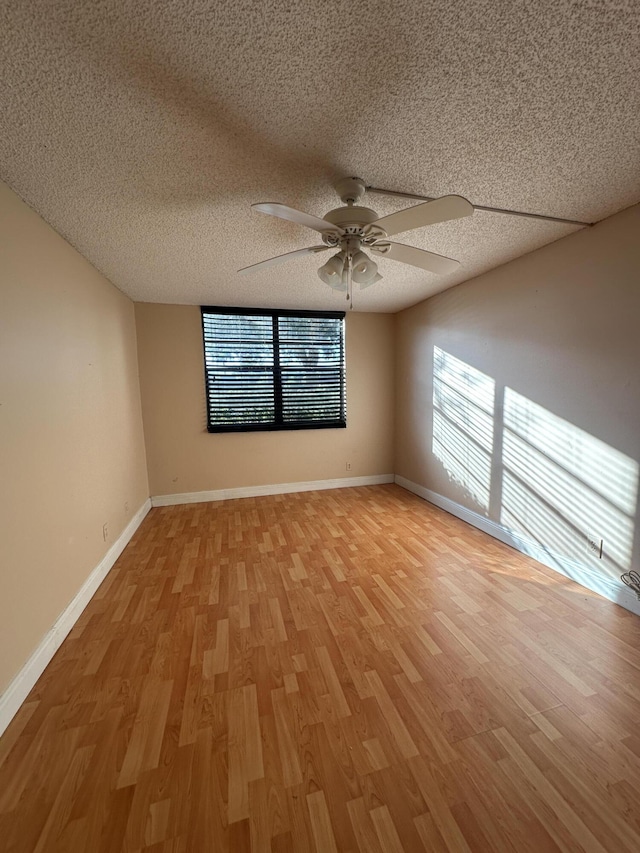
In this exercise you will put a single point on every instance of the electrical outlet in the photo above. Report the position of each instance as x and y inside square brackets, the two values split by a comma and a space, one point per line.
[105, 531]
[594, 544]
[348, 466]
[126, 506]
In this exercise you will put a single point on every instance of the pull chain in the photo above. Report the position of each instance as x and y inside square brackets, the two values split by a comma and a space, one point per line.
[347, 268]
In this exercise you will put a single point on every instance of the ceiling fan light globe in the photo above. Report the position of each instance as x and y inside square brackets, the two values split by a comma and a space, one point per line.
[331, 272]
[327, 277]
[364, 270]
[377, 277]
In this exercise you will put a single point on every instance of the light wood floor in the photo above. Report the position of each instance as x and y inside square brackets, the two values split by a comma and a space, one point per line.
[351, 670]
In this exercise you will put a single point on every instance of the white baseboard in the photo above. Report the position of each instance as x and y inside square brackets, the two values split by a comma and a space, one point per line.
[19, 689]
[276, 489]
[584, 575]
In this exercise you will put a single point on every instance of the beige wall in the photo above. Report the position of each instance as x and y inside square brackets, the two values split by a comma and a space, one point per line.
[556, 335]
[183, 457]
[71, 440]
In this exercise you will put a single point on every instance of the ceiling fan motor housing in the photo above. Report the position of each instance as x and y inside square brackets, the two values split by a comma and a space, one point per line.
[353, 220]
[346, 216]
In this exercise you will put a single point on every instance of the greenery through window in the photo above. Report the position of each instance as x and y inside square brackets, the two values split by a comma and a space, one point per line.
[267, 370]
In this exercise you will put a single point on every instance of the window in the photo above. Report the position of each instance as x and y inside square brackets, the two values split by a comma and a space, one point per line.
[268, 370]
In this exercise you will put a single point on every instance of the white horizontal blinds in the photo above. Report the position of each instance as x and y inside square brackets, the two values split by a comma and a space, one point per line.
[311, 361]
[239, 367]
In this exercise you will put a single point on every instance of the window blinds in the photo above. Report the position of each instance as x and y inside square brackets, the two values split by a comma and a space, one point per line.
[273, 369]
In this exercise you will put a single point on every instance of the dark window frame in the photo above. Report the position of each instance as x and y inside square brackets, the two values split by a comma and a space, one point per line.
[278, 423]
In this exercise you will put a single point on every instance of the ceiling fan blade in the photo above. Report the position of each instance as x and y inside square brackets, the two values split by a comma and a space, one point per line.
[428, 213]
[297, 216]
[281, 259]
[416, 257]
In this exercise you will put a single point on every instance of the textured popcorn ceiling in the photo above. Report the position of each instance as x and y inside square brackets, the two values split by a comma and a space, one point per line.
[143, 130]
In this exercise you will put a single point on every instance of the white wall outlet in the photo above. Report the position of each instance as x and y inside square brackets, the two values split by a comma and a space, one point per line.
[105, 531]
[348, 466]
[594, 544]
[126, 506]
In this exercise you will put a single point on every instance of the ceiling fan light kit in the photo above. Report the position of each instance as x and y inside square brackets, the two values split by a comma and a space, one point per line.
[331, 272]
[364, 270]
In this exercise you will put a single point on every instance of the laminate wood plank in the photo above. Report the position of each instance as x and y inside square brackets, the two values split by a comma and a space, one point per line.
[94, 798]
[438, 807]
[397, 727]
[407, 665]
[429, 834]
[388, 592]
[543, 790]
[139, 813]
[374, 617]
[280, 632]
[385, 830]
[336, 693]
[590, 804]
[143, 751]
[376, 753]
[366, 836]
[59, 815]
[268, 796]
[462, 638]
[321, 823]
[216, 660]
[428, 719]
[245, 750]
[505, 803]
[350, 670]
[17, 775]
[289, 758]
[396, 788]
[426, 639]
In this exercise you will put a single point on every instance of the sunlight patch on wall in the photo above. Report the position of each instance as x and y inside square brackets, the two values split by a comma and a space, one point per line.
[463, 410]
[560, 483]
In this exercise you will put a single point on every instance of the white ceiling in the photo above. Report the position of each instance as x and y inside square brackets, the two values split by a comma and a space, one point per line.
[143, 130]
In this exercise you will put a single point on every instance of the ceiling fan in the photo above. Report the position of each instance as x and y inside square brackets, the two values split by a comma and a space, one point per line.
[352, 229]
